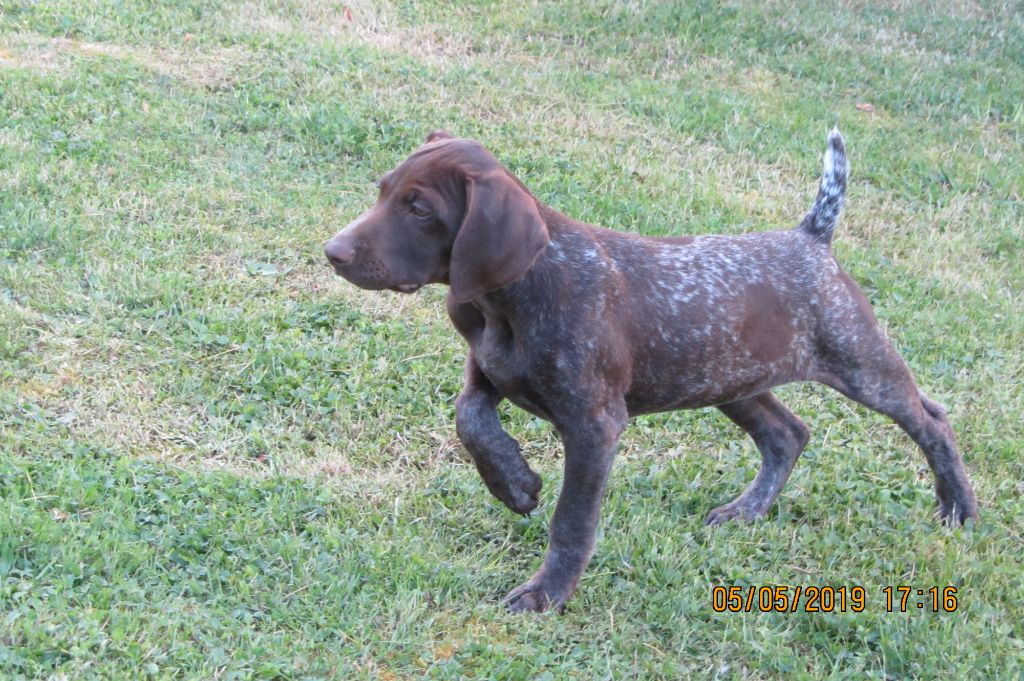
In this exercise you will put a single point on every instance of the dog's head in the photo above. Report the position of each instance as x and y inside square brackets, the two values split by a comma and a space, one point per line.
[450, 213]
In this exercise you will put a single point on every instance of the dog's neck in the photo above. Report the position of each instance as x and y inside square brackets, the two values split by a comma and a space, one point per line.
[544, 288]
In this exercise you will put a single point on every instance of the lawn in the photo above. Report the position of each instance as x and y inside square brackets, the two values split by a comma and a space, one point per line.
[218, 460]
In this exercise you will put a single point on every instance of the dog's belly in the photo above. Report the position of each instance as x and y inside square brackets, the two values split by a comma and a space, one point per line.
[695, 391]
[725, 369]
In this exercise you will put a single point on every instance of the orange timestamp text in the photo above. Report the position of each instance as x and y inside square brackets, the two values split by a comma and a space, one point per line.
[792, 599]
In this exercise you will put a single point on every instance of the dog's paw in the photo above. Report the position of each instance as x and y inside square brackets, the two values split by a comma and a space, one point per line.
[734, 510]
[533, 597]
[955, 514]
[521, 495]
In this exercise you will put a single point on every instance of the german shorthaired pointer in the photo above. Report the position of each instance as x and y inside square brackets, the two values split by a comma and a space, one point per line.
[586, 327]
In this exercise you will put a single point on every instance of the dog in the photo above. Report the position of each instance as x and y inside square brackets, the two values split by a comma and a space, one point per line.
[586, 327]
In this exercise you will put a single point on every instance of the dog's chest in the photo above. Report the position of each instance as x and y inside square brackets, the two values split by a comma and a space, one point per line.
[513, 371]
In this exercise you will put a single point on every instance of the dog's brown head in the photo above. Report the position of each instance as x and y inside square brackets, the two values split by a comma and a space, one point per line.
[450, 213]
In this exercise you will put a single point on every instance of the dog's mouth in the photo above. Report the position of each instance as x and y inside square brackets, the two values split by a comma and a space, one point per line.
[372, 275]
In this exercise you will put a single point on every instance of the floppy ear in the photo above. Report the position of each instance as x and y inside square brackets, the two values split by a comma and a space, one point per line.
[502, 233]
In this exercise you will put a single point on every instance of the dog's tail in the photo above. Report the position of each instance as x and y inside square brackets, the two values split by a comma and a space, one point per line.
[821, 221]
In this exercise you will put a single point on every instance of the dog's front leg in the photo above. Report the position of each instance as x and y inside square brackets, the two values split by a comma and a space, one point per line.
[496, 454]
[589, 449]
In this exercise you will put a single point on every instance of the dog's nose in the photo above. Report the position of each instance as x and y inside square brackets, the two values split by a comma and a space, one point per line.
[340, 251]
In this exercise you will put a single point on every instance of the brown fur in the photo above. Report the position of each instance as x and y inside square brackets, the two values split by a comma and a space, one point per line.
[586, 327]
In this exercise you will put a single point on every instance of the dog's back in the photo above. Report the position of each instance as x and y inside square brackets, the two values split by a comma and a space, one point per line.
[710, 319]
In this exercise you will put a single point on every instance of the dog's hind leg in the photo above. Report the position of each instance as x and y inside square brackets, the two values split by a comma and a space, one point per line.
[855, 358]
[880, 380]
[496, 454]
[780, 436]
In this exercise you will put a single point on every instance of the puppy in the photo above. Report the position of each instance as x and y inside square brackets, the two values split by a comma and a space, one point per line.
[586, 327]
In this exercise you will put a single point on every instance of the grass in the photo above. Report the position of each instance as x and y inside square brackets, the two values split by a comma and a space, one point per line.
[219, 461]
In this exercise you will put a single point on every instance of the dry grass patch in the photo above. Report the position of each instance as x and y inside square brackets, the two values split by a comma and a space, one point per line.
[214, 68]
[963, 9]
[368, 23]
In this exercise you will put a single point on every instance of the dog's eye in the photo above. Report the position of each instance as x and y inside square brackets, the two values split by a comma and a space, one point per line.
[419, 211]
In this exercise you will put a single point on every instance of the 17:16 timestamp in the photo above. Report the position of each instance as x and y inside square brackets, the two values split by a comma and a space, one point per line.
[902, 598]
